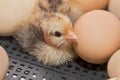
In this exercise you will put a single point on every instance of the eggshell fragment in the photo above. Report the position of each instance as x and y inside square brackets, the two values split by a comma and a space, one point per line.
[113, 66]
[4, 63]
[98, 34]
[114, 7]
[12, 13]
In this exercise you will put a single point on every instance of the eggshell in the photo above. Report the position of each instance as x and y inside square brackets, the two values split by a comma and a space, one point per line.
[12, 12]
[113, 66]
[114, 7]
[114, 79]
[79, 7]
[98, 34]
[93, 4]
[4, 63]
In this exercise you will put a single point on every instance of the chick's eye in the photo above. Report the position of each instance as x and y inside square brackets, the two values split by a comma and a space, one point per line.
[58, 34]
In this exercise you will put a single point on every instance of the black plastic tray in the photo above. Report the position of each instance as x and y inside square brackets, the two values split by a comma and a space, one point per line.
[25, 67]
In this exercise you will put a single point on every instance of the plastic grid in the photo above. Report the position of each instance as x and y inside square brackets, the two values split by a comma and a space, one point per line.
[25, 67]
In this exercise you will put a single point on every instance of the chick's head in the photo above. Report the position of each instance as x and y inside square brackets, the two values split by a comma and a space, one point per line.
[57, 30]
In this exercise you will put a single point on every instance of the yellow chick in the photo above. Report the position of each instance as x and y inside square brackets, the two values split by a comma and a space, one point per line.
[49, 38]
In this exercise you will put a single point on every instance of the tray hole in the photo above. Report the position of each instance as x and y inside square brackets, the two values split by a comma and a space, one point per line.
[34, 75]
[11, 52]
[44, 79]
[36, 69]
[66, 70]
[6, 46]
[11, 67]
[14, 48]
[26, 72]
[85, 71]
[94, 73]
[58, 67]
[26, 57]
[14, 62]
[64, 78]
[30, 79]
[18, 55]
[7, 74]
[14, 75]
[74, 73]
[30, 67]
[22, 65]
[69, 66]
[103, 76]
[18, 69]
[21, 51]
[22, 78]
[77, 68]
[33, 60]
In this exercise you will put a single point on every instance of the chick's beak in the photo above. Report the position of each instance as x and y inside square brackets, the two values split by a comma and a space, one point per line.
[70, 36]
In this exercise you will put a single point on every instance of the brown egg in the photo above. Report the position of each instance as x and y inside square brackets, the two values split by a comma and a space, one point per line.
[114, 79]
[93, 4]
[113, 66]
[114, 7]
[4, 63]
[12, 13]
[98, 34]
[79, 7]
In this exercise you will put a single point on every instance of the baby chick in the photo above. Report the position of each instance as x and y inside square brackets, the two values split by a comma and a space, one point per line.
[71, 8]
[49, 38]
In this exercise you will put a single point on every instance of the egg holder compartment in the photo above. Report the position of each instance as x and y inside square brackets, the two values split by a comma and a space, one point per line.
[25, 67]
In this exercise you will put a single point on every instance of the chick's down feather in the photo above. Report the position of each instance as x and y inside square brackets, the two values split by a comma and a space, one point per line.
[31, 37]
[71, 8]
